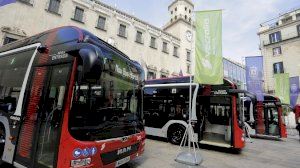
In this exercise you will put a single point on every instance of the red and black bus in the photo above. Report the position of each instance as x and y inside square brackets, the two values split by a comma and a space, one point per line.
[264, 119]
[69, 99]
[215, 111]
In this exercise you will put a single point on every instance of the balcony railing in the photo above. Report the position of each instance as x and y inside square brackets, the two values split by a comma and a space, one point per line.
[282, 19]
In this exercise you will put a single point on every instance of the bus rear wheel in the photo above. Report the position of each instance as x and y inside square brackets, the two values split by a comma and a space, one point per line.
[2, 141]
[175, 134]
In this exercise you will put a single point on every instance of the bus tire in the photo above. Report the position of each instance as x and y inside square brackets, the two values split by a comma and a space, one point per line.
[2, 142]
[176, 133]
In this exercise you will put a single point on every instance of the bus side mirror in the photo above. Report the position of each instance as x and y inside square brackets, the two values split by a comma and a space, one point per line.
[92, 65]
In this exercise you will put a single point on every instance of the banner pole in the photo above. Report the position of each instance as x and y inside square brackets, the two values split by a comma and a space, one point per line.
[189, 157]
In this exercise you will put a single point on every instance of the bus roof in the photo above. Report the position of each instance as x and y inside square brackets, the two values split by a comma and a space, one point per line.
[51, 37]
[70, 35]
[181, 79]
[268, 97]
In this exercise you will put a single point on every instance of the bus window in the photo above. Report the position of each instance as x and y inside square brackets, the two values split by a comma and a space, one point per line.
[107, 109]
[157, 106]
[12, 72]
[165, 104]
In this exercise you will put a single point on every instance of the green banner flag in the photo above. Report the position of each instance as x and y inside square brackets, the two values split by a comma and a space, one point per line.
[282, 87]
[209, 60]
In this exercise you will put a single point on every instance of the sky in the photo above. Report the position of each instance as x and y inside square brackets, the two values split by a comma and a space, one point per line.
[241, 19]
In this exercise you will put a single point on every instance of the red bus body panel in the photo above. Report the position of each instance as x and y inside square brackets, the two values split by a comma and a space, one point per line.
[297, 112]
[260, 123]
[261, 128]
[239, 141]
[238, 133]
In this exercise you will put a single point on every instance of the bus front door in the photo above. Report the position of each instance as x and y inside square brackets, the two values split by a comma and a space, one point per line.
[271, 121]
[39, 134]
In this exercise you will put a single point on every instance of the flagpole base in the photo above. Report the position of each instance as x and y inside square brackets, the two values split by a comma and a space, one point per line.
[189, 158]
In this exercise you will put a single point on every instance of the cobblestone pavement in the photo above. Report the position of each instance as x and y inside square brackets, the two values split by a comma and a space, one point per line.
[258, 154]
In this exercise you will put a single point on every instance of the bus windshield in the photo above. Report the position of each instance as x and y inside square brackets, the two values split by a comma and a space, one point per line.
[110, 108]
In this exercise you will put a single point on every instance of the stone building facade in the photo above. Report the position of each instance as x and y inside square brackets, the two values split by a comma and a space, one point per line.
[280, 47]
[163, 52]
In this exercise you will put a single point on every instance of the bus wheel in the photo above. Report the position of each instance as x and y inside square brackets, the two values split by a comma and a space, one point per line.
[2, 141]
[175, 134]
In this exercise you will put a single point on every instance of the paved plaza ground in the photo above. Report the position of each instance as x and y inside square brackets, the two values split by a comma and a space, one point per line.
[258, 154]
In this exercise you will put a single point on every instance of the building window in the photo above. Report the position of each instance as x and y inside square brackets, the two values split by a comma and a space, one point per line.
[276, 51]
[175, 51]
[101, 22]
[153, 42]
[185, 17]
[278, 68]
[78, 15]
[175, 17]
[286, 20]
[171, 12]
[9, 40]
[298, 30]
[171, 20]
[188, 68]
[122, 30]
[54, 6]
[176, 9]
[185, 8]
[188, 56]
[151, 75]
[165, 47]
[139, 37]
[190, 11]
[275, 37]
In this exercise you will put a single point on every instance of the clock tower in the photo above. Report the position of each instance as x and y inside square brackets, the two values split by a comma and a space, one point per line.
[181, 25]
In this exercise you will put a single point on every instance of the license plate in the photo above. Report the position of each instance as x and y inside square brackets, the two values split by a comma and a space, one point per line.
[122, 161]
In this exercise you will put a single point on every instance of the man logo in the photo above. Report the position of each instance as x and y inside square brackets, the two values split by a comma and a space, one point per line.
[124, 139]
[123, 150]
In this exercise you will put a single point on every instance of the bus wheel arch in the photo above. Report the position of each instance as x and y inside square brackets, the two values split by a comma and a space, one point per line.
[175, 133]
